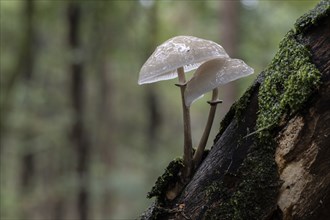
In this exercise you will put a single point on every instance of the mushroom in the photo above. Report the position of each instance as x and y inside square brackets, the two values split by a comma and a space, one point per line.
[172, 59]
[187, 52]
[209, 76]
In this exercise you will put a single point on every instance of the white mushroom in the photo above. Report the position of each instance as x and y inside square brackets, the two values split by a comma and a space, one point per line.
[209, 76]
[172, 59]
[181, 51]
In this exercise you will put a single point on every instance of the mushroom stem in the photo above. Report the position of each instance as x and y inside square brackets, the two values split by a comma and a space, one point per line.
[187, 153]
[200, 149]
[181, 76]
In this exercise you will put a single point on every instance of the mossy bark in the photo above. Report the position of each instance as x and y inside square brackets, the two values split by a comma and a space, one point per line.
[270, 159]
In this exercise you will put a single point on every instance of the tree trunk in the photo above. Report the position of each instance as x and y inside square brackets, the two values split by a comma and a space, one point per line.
[28, 164]
[270, 159]
[103, 131]
[79, 135]
[28, 158]
[151, 98]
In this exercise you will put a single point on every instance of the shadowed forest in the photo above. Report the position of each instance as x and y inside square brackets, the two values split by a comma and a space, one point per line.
[80, 139]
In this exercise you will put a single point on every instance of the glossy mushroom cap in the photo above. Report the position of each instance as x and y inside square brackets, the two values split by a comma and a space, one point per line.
[181, 51]
[212, 74]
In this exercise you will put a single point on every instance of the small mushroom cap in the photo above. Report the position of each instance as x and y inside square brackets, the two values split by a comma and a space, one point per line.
[181, 51]
[212, 74]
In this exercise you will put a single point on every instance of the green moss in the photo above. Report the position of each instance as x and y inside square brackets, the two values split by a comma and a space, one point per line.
[164, 182]
[290, 80]
[312, 18]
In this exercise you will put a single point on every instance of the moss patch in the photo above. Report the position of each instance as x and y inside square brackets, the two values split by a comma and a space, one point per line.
[312, 18]
[290, 80]
[165, 181]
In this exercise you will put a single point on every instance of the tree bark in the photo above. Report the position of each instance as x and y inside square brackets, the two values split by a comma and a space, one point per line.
[257, 170]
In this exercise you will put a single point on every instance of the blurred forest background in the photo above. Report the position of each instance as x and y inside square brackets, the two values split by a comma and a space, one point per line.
[79, 138]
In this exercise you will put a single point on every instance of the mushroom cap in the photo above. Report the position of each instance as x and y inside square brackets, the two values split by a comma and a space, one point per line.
[212, 74]
[182, 51]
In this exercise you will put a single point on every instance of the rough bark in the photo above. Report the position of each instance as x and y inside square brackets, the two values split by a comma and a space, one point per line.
[270, 158]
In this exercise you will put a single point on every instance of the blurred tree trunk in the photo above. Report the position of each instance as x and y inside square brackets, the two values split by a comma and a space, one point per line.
[27, 68]
[278, 172]
[151, 100]
[24, 67]
[103, 30]
[102, 63]
[79, 134]
[229, 31]
[28, 158]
